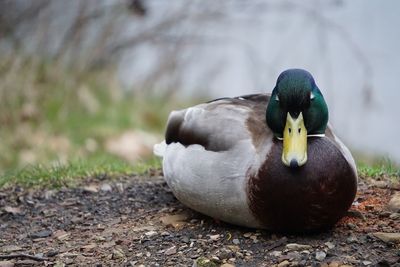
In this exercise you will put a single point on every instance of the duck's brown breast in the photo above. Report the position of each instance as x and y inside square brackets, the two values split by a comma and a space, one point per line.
[309, 198]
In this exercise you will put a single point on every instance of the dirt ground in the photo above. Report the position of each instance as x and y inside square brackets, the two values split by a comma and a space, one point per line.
[136, 221]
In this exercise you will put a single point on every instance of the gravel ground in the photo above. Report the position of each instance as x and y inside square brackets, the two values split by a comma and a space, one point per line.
[136, 221]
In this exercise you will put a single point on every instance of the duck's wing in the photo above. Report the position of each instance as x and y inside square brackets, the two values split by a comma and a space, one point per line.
[219, 124]
[210, 151]
[329, 133]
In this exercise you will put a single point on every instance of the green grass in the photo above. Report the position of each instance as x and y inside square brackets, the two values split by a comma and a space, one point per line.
[57, 175]
[380, 169]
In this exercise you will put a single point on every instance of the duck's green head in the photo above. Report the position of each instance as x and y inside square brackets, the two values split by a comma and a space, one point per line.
[296, 110]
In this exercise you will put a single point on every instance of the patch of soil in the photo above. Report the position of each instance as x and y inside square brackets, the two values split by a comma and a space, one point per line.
[135, 221]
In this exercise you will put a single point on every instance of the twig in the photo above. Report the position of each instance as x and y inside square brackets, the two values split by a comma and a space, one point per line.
[23, 255]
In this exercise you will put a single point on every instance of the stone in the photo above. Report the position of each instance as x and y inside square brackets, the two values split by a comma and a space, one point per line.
[293, 255]
[236, 241]
[388, 237]
[366, 263]
[93, 188]
[352, 239]
[10, 248]
[214, 237]
[394, 203]
[27, 263]
[234, 248]
[247, 235]
[351, 226]
[215, 259]
[204, 262]
[225, 254]
[175, 220]
[330, 245]
[379, 184]
[320, 255]
[254, 238]
[227, 265]
[6, 264]
[150, 233]
[394, 185]
[106, 188]
[334, 264]
[41, 234]
[294, 246]
[61, 235]
[356, 214]
[170, 251]
[276, 253]
[284, 263]
[59, 264]
[394, 216]
[89, 247]
[13, 210]
[118, 254]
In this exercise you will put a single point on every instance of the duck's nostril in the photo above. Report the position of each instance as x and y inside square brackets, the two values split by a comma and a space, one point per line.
[294, 163]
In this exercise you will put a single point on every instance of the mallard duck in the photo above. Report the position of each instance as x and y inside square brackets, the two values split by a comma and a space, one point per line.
[268, 161]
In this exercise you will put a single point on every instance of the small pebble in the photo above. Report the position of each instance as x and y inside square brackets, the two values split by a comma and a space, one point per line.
[394, 216]
[247, 234]
[394, 203]
[320, 255]
[106, 188]
[284, 263]
[334, 264]
[170, 251]
[214, 237]
[150, 233]
[41, 234]
[118, 254]
[236, 241]
[6, 264]
[351, 226]
[225, 254]
[352, 239]
[294, 246]
[330, 245]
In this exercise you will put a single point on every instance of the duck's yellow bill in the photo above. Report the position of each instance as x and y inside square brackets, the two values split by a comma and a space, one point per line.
[294, 142]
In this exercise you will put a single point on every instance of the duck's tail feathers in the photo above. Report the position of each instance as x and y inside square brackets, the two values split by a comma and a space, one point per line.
[159, 149]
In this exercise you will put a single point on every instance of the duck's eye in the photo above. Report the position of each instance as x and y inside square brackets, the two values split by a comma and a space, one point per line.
[312, 96]
[276, 98]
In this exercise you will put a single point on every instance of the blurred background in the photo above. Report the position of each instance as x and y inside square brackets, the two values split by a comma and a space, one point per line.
[94, 80]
